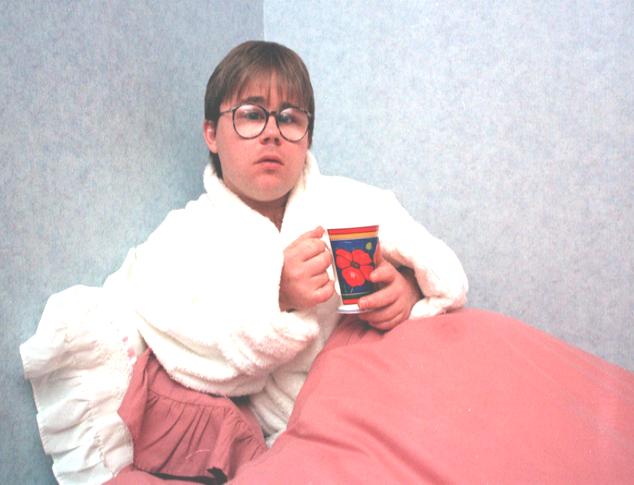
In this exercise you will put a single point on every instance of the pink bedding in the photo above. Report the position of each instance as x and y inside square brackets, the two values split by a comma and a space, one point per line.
[467, 397]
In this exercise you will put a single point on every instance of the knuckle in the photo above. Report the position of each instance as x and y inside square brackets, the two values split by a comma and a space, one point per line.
[292, 257]
[316, 244]
[323, 279]
[303, 246]
[325, 260]
[293, 273]
[324, 293]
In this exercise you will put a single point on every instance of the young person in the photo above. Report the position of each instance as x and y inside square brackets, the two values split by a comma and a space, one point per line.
[233, 294]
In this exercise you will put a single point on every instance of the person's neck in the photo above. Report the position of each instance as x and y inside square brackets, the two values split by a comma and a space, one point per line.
[272, 210]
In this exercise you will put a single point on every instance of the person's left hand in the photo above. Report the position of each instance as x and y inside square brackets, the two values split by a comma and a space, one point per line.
[392, 303]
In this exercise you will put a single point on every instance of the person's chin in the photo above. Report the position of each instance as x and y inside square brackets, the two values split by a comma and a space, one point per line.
[271, 194]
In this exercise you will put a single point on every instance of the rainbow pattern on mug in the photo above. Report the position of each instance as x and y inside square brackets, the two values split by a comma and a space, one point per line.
[354, 250]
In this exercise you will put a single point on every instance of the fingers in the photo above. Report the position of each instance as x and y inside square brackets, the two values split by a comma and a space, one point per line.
[384, 273]
[307, 246]
[391, 304]
[318, 281]
[380, 299]
[304, 281]
[386, 317]
[307, 294]
[298, 268]
[378, 254]
[325, 292]
[382, 314]
[388, 324]
[318, 264]
[318, 232]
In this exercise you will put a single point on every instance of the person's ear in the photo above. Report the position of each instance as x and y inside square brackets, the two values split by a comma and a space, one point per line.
[209, 134]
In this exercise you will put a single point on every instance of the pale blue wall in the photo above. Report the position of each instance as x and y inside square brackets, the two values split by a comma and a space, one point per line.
[101, 111]
[506, 127]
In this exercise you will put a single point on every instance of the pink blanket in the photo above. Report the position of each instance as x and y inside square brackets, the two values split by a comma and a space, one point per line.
[467, 397]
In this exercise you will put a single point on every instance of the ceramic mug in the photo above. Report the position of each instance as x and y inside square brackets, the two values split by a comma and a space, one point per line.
[355, 251]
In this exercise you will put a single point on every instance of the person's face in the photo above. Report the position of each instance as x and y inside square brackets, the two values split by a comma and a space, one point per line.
[264, 169]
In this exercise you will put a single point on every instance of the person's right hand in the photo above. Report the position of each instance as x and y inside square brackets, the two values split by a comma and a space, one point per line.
[304, 282]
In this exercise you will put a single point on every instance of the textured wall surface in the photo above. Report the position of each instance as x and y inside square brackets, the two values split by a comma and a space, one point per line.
[507, 128]
[101, 113]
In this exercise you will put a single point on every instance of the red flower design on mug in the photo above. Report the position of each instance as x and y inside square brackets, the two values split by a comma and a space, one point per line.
[355, 266]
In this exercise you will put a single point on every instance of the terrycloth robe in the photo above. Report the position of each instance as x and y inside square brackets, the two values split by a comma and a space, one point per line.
[203, 293]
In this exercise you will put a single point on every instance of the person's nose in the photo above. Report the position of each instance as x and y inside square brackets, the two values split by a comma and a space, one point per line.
[271, 133]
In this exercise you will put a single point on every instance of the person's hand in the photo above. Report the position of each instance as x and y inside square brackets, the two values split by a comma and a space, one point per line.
[305, 282]
[392, 303]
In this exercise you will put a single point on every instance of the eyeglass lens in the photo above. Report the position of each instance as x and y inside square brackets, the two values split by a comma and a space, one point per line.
[249, 121]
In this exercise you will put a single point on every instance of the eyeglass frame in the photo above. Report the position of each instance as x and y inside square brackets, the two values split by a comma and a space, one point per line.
[266, 122]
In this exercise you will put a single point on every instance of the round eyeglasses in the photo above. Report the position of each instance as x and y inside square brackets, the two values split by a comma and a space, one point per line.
[249, 121]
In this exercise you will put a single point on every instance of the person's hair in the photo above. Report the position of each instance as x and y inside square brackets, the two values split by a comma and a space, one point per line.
[258, 61]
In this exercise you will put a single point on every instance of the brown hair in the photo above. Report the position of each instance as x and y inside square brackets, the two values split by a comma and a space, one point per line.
[258, 60]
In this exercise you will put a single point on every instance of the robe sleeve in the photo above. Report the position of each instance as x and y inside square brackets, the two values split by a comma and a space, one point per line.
[207, 291]
[438, 271]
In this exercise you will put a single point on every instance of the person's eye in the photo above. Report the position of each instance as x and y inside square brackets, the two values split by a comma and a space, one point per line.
[250, 113]
[287, 117]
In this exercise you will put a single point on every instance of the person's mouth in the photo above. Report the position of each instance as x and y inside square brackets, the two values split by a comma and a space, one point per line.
[270, 159]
